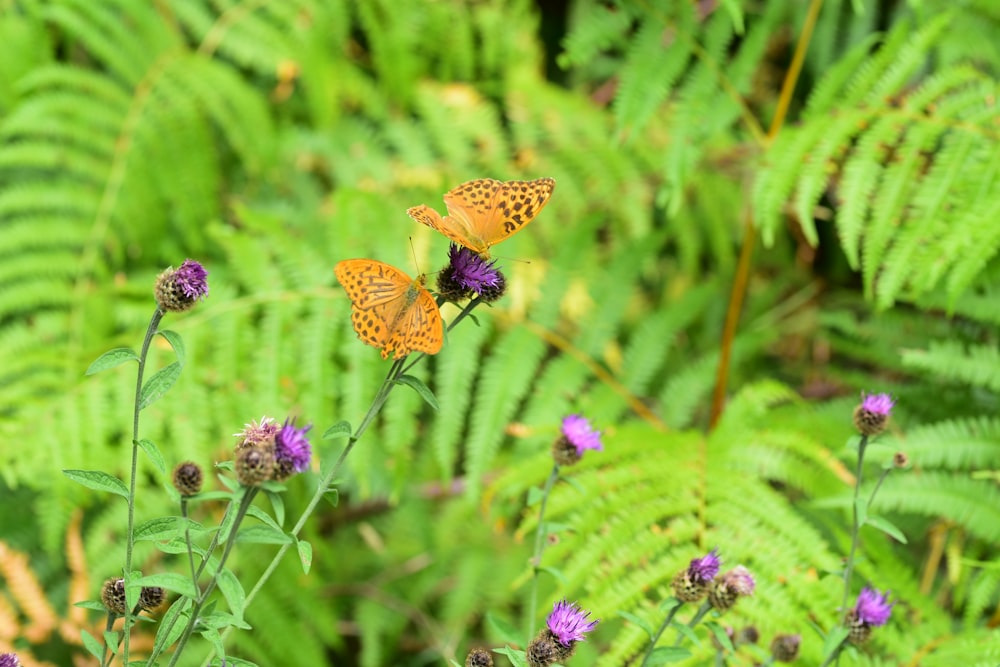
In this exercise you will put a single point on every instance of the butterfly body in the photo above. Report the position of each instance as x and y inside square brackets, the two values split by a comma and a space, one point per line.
[390, 310]
[483, 212]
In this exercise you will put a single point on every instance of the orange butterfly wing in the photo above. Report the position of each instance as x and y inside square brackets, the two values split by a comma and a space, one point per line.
[389, 310]
[483, 212]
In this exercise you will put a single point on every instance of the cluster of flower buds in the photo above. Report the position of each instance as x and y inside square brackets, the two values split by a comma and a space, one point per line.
[113, 597]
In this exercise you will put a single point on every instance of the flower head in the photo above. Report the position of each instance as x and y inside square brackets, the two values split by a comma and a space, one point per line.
[467, 273]
[568, 622]
[255, 464]
[705, 568]
[292, 451]
[151, 597]
[575, 437]
[730, 587]
[188, 478]
[872, 608]
[871, 416]
[178, 290]
[113, 596]
[785, 648]
[257, 432]
[479, 657]
[9, 660]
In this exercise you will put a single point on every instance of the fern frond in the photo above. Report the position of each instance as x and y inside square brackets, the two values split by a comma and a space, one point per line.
[976, 365]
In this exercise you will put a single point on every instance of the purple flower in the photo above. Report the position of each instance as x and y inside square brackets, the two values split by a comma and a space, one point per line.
[739, 580]
[872, 608]
[9, 660]
[292, 451]
[879, 404]
[577, 431]
[568, 622]
[257, 432]
[704, 569]
[190, 279]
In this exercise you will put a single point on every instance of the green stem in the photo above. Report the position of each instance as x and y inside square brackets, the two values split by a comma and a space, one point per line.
[835, 655]
[702, 610]
[154, 322]
[187, 541]
[855, 527]
[249, 494]
[109, 625]
[659, 633]
[536, 560]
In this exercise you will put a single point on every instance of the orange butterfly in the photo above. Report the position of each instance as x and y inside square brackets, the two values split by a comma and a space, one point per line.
[484, 212]
[389, 310]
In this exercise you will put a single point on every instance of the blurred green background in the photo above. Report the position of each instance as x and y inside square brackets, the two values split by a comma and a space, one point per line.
[271, 139]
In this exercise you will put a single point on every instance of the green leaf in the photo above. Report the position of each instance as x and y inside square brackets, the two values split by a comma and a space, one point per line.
[90, 642]
[535, 495]
[638, 621]
[305, 550]
[153, 452]
[155, 387]
[163, 528]
[176, 342]
[262, 535]
[264, 517]
[517, 658]
[834, 640]
[98, 480]
[419, 387]
[667, 654]
[341, 429]
[233, 591]
[278, 504]
[219, 620]
[333, 497]
[506, 630]
[720, 635]
[178, 610]
[886, 527]
[94, 605]
[172, 581]
[110, 359]
[111, 640]
[557, 573]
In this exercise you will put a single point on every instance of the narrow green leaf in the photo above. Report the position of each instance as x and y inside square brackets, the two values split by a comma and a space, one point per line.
[98, 480]
[159, 384]
[165, 528]
[834, 640]
[517, 658]
[177, 609]
[886, 527]
[110, 359]
[557, 574]
[153, 452]
[720, 635]
[638, 621]
[262, 535]
[172, 581]
[233, 591]
[264, 517]
[341, 429]
[305, 555]
[665, 655]
[278, 504]
[93, 605]
[90, 642]
[419, 387]
[333, 497]
[111, 640]
[861, 505]
[506, 630]
[176, 342]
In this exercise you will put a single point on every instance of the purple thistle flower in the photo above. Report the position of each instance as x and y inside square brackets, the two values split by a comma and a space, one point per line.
[9, 660]
[568, 622]
[704, 569]
[257, 432]
[577, 430]
[879, 404]
[740, 580]
[190, 278]
[872, 608]
[471, 271]
[292, 451]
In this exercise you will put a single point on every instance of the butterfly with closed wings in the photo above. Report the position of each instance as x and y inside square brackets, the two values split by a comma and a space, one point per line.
[483, 212]
[390, 310]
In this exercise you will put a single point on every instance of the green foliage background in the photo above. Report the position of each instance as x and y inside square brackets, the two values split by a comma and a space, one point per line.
[270, 139]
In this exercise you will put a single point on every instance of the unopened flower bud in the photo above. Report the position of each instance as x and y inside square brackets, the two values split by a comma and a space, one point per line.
[730, 587]
[785, 648]
[188, 478]
[151, 597]
[113, 596]
[901, 460]
[255, 465]
[479, 657]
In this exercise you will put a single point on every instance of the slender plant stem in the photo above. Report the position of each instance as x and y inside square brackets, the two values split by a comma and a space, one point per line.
[187, 541]
[154, 322]
[702, 610]
[855, 527]
[835, 655]
[106, 656]
[878, 485]
[247, 500]
[536, 560]
[659, 633]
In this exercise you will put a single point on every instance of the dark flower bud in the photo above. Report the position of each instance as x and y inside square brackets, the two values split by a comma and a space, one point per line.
[748, 635]
[479, 657]
[730, 587]
[177, 290]
[785, 648]
[255, 465]
[544, 650]
[188, 478]
[151, 597]
[901, 460]
[871, 416]
[113, 596]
